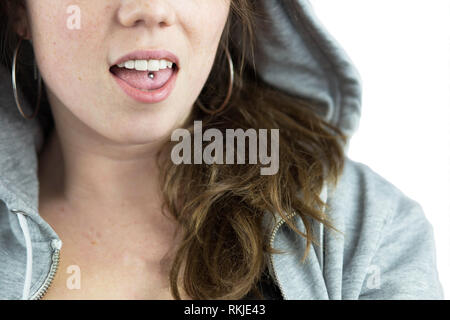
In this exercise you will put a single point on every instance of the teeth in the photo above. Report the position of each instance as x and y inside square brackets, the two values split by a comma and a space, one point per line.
[129, 64]
[153, 65]
[146, 65]
[140, 65]
[162, 64]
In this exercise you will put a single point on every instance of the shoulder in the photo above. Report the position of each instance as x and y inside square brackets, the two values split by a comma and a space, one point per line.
[365, 202]
[363, 194]
[384, 230]
[359, 174]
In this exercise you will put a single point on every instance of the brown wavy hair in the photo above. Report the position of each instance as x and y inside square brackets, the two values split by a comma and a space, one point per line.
[219, 208]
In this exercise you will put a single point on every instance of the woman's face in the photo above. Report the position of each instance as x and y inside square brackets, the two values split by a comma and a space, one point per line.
[76, 42]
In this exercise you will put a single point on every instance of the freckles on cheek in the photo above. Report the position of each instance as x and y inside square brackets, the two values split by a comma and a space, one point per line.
[65, 53]
[61, 68]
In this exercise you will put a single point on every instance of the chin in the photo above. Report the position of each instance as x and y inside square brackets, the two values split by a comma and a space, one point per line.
[155, 129]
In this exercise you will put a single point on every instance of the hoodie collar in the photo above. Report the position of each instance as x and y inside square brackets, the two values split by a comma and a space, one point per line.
[20, 141]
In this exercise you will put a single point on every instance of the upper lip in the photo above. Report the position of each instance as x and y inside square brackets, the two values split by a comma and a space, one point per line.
[148, 55]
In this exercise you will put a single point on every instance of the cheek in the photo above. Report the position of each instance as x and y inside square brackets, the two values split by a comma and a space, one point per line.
[206, 22]
[204, 34]
[63, 51]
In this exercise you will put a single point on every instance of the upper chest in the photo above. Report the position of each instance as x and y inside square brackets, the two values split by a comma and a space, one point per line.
[101, 262]
[96, 271]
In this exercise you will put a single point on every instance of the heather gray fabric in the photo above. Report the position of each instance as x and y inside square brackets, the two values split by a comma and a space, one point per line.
[386, 249]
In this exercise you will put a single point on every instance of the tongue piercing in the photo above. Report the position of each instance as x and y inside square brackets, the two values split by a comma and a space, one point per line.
[151, 75]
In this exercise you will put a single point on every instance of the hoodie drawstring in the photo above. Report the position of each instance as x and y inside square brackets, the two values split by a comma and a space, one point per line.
[29, 266]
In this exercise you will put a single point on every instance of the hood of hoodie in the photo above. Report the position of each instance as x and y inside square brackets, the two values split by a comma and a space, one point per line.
[290, 39]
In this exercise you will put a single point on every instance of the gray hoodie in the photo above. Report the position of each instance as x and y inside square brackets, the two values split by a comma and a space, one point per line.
[386, 249]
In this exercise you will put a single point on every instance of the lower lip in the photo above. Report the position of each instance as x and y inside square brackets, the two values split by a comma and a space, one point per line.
[153, 96]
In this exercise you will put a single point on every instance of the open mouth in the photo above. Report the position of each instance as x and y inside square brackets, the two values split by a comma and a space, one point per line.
[145, 75]
[147, 81]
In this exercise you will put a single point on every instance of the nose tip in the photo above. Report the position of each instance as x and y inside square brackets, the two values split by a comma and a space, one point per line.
[149, 13]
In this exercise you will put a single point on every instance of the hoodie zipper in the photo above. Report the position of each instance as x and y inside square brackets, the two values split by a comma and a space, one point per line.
[272, 238]
[56, 245]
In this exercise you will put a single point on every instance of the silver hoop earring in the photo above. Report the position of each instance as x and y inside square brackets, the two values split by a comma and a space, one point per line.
[14, 84]
[229, 92]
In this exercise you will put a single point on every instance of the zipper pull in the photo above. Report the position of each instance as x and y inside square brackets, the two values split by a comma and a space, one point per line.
[56, 244]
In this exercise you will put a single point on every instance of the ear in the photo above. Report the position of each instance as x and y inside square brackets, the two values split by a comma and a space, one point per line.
[20, 22]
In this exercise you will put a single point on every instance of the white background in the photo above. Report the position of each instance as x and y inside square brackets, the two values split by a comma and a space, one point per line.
[401, 48]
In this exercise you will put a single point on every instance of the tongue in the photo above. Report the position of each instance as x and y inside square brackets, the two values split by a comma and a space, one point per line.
[141, 79]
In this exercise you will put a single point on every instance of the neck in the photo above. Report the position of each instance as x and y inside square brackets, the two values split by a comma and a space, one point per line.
[91, 179]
